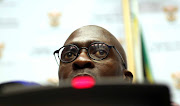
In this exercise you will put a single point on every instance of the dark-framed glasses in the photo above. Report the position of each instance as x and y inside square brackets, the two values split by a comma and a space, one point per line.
[96, 51]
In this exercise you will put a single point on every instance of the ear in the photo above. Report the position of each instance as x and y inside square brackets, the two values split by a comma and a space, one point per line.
[128, 76]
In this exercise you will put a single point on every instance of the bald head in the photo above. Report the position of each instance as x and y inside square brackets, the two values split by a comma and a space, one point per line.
[88, 41]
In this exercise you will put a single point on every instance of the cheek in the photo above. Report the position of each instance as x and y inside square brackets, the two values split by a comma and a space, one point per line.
[64, 70]
[109, 68]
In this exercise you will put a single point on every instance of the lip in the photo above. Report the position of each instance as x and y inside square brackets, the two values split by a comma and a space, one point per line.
[83, 74]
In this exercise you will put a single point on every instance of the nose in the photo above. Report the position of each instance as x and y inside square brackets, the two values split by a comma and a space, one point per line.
[83, 61]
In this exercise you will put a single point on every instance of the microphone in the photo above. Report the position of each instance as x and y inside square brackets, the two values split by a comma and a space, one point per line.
[83, 82]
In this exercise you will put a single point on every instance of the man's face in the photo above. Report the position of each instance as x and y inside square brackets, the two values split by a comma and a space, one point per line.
[83, 65]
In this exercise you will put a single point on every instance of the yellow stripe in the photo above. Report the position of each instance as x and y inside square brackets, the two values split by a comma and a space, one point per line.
[148, 73]
[129, 39]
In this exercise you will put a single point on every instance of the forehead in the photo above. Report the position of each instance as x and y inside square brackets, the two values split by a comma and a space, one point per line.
[84, 37]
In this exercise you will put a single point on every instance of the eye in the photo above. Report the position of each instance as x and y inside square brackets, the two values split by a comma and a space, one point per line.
[100, 53]
[69, 56]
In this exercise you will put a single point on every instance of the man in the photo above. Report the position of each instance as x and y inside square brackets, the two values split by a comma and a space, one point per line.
[92, 51]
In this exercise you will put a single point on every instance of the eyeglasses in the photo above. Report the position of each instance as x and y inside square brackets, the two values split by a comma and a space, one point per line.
[96, 51]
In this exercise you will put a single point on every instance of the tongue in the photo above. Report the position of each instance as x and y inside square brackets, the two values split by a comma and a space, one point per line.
[83, 82]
